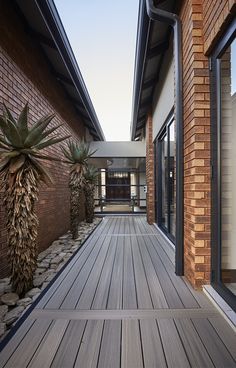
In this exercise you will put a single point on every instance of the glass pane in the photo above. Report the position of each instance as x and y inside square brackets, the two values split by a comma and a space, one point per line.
[164, 184]
[228, 168]
[172, 178]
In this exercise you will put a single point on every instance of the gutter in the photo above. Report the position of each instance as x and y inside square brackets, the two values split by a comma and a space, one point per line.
[53, 22]
[173, 20]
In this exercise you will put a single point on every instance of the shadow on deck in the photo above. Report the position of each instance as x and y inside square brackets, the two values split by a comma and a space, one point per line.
[118, 303]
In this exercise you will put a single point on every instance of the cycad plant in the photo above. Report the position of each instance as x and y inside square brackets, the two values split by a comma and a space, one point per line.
[77, 154]
[90, 177]
[21, 172]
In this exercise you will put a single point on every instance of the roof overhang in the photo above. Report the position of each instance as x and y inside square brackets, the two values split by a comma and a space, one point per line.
[43, 23]
[153, 40]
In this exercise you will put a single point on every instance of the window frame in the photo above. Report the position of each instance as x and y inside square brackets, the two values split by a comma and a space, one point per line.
[158, 175]
[216, 185]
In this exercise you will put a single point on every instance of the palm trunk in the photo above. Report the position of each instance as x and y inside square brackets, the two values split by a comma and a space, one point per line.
[76, 189]
[89, 202]
[21, 191]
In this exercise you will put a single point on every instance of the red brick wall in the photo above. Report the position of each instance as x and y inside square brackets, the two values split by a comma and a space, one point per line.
[203, 23]
[25, 76]
[216, 17]
[150, 172]
[196, 147]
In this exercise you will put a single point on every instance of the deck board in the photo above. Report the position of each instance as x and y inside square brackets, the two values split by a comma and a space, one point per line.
[118, 303]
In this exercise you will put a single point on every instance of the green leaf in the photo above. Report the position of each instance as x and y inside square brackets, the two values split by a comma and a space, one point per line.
[49, 131]
[4, 126]
[9, 115]
[50, 142]
[66, 153]
[4, 141]
[16, 163]
[23, 122]
[43, 172]
[13, 135]
[35, 134]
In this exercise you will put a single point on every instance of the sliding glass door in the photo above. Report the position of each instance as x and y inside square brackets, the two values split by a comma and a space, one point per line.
[166, 179]
[224, 168]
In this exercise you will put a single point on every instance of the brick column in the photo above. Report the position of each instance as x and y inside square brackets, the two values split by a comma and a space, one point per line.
[150, 172]
[196, 147]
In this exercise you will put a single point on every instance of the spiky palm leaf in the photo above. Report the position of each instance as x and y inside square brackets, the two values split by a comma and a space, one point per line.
[21, 172]
[90, 177]
[77, 155]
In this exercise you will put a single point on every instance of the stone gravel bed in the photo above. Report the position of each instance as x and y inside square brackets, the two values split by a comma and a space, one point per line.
[49, 262]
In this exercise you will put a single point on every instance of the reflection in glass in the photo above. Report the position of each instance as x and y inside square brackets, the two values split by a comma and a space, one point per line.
[167, 180]
[228, 168]
[172, 182]
[164, 176]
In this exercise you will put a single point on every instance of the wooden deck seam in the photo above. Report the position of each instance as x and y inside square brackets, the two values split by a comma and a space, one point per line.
[169, 275]
[123, 313]
[96, 259]
[163, 289]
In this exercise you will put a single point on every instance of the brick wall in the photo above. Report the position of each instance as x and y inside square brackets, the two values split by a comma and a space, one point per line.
[203, 24]
[150, 197]
[25, 76]
[216, 17]
[196, 147]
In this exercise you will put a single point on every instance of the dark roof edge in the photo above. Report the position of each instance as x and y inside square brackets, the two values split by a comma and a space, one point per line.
[140, 54]
[54, 24]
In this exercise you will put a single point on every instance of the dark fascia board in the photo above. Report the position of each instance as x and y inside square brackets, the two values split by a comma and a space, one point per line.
[142, 53]
[143, 30]
[55, 27]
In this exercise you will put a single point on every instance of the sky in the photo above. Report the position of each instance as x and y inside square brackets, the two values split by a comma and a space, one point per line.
[102, 34]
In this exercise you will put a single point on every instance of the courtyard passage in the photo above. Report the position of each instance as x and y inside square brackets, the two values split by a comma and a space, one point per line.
[118, 303]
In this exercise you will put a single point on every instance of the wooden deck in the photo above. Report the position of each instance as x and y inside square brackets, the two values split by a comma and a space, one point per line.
[118, 303]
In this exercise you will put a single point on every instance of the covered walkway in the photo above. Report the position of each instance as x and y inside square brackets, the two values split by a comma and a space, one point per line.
[118, 303]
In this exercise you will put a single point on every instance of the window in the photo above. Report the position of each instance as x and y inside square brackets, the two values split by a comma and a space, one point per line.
[224, 167]
[166, 179]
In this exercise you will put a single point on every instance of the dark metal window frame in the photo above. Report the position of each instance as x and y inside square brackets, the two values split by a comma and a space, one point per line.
[158, 175]
[215, 63]
[121, 170]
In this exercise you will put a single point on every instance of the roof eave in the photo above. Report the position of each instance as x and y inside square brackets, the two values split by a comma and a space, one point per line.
[55, 27]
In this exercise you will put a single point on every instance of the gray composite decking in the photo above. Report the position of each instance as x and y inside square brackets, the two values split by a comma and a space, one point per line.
[118, 303]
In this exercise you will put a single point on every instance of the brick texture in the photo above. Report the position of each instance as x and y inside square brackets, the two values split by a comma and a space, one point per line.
[150, 172]
[203, 23]
[25, 76]
[196, 100]
[216, 17]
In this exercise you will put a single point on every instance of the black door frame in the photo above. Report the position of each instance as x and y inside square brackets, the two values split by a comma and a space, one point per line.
[224, 43]
[158, 176]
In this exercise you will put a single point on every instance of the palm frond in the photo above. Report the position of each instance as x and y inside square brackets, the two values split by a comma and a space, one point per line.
[23, 122]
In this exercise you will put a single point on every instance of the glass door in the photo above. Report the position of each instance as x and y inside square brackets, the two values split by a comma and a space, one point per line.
[166, 179]
[224, 168]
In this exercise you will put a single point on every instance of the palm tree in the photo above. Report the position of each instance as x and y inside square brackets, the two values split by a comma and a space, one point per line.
[77, 154]
[21, 172]
[90, 177]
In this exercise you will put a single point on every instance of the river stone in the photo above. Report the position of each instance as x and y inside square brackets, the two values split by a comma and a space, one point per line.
[24, 301]
[31, 293]
[13, 315]
[39, 280]
[3, 328]
[9, 299]
[3, 311]
[56, 260]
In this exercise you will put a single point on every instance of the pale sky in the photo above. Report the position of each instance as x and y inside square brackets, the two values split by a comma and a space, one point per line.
[102, 34]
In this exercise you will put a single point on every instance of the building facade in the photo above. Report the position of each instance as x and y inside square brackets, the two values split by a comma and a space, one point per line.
[184, 106]
[37, 65]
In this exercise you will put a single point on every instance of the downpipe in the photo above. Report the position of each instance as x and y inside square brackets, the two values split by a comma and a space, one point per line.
[174, 21]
